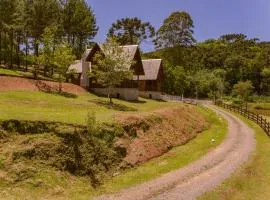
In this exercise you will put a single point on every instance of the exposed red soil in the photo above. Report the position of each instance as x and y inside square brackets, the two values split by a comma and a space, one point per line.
[153, 135]
[16, 83]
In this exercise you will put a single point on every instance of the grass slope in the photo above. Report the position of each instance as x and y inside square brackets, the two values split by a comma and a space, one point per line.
[251, 181]
[21, 73]
[4, 71]
[49, 183]
[26, 105]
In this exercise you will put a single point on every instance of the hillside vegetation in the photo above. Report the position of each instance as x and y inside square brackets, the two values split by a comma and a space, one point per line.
[212, 67]
[50, 148]
[60, 161]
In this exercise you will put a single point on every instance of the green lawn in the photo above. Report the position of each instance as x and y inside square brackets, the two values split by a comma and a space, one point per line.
[26, 105]
[10, 72]
[251, 181]
[260, 108]
[28, 74]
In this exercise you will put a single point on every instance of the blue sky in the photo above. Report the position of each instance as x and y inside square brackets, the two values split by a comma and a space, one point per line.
[212, 18]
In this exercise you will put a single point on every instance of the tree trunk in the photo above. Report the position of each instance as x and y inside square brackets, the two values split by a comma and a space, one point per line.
[60, 83]
[196, 93]
[35, 73]
[18, 50]
[11, 48]
[109, 95]
[26, 53]
[5, 47]
[0, 46]
[36, 47]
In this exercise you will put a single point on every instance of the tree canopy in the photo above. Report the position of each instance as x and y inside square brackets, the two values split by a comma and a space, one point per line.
[176, 30]
[131, 31]
[238, 57]
[23, 22]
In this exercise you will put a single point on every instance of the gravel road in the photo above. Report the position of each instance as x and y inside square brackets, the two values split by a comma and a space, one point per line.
[202, 175]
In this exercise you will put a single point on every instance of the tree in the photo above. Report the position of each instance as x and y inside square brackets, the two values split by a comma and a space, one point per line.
[63, 58]
[200, 82]
[79, 24]
[49, 44]
[266, 80]
[243, 89]
[39, 15]
[131, 31]
[181, 80]
[177, 30]
[217, 83]
[111, 67]
[232, 38]
[11, 27]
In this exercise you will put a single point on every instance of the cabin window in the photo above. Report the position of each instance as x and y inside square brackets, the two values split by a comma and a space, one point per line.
[149, 85]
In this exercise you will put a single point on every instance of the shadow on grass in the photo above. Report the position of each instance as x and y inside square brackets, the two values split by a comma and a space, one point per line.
[138, 101]
[43, 87]
[114, 106]
[160, 100]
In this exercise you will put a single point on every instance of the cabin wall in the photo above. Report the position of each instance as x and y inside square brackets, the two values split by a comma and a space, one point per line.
[151, 95]
[86, 66]
[129, 94]
[150, 85]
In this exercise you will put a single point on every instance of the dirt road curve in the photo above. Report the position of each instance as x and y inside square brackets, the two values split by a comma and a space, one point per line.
[202, 175]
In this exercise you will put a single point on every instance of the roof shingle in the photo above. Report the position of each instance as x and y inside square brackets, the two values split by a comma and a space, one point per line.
[151, 68]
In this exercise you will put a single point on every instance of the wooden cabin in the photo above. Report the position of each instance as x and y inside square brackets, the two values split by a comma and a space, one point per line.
[150, 84]
[128, 90]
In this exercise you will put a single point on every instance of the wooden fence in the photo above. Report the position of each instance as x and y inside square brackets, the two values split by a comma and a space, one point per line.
[167, 97]
[257, 118]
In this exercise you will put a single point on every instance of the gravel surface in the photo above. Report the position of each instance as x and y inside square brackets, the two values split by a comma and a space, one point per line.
[202, 175]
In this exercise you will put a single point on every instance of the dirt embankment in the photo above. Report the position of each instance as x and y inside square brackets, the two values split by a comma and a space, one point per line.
[94, 151]
[201, 175]
[15, 83]
[149, 136]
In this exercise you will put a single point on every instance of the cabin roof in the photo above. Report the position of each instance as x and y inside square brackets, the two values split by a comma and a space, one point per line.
[76, 67]
[151, 69]
[128, 50]
[131, 52]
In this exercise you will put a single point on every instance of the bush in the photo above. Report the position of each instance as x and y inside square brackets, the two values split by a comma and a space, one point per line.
[84, 151]
[24, 127]
[262, 106]
[237, 102]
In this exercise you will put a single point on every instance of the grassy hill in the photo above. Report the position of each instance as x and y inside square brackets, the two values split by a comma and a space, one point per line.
[49, 151]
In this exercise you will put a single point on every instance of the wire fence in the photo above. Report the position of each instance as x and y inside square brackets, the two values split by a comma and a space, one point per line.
[167, 97]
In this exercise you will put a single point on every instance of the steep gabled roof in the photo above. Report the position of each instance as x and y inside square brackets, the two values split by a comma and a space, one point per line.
[76, 67]
[151, 69]
[128, 50]
[131, 52]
